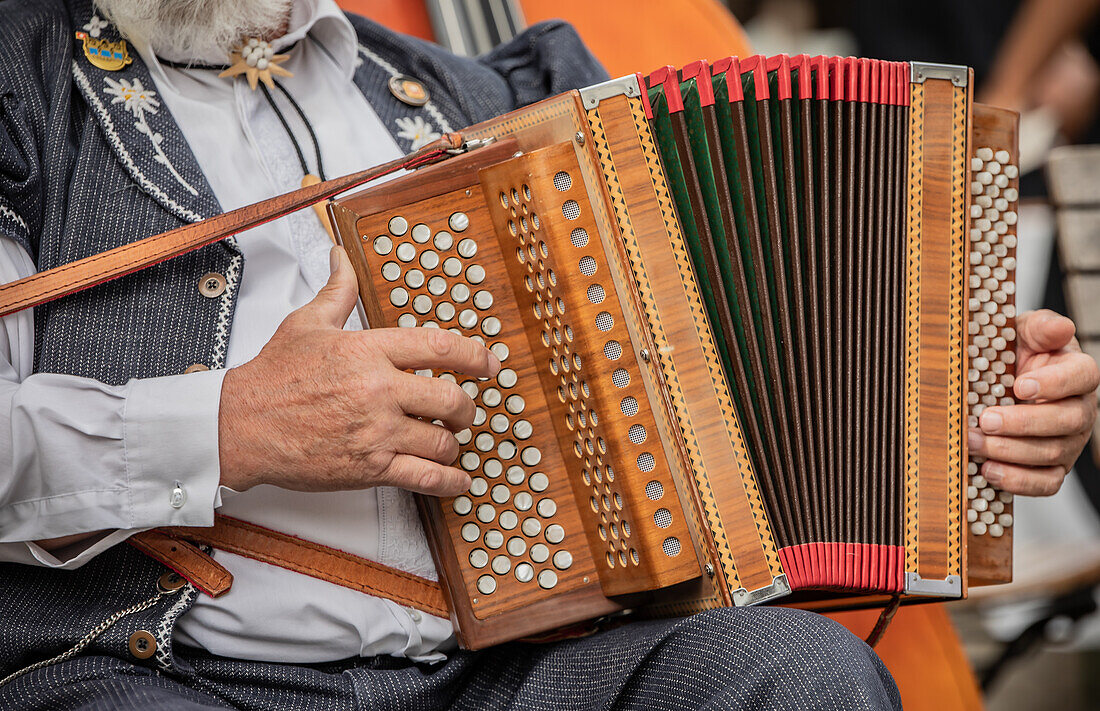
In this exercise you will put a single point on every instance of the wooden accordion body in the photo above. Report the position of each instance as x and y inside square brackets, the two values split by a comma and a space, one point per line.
[692, 413]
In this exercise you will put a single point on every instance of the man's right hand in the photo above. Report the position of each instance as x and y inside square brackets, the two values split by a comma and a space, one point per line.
[323, 409]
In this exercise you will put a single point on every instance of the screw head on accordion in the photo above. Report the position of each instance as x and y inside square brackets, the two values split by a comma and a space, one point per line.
[745, 314]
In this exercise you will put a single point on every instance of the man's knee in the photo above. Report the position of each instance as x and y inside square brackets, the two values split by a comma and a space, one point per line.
[774, 654]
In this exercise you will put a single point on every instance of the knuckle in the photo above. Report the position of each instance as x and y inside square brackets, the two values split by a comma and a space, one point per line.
[440, 342]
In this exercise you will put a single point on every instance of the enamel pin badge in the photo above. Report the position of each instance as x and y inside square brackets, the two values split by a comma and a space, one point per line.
[105, 54]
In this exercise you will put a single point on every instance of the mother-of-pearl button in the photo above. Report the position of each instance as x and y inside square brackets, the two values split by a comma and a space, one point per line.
[399, 297]
[443, 240]
[506, 449]
[483, 300]
[985, 153]
[467, 248]
[414, 278]
[491, 397]
[555, 533]
[516, 546]
[522, 429]
[452, 267]
[493, 468]
[468, 318]
[499, 423]
[507, 377]
[531, 527]
[501, 494]
[445, 311]
[383, 244]
[501, 565]
[437, 286]
[524, 501]
[514, 404]
[539, 481]
[479, 417]
[422, 304]
[500, 350]
[509, 520]
[463, 437]
[406, 252]
[470, 532]
[470, 461]
[406, 321]
[491, 326]
[486, 585]
[478, 486]
[531, 456]
[494, 539]
[484, 442]
[515, 475]
[421, 233]
[462, 505]
[486, 513]
[475, 274]
[563, 560]
[391, 271]
[547, 508]
[398, 226]
[539, 553]
[460, 292]
[548, 579]
[458, 221]
[429, 259]
[524, 572]
[479, 558]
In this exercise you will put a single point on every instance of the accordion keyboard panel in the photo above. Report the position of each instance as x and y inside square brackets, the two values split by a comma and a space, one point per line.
[516, 532]
[991, 348]
[620, 461]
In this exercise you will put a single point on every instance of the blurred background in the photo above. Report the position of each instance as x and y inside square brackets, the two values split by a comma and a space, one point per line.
[1033, 644]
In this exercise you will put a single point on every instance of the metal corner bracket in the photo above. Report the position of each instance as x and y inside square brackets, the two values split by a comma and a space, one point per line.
[951, 586]
[779, 588]
[591, 96]
[957, 74]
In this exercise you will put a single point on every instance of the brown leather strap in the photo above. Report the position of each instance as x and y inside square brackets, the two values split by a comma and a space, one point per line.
[186, 559]
[128, 258]
[318, 561]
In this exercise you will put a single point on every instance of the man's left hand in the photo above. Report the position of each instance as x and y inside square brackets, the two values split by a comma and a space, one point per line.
[1031, 446]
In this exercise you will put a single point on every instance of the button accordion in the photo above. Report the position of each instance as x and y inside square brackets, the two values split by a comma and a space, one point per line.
[745, 312]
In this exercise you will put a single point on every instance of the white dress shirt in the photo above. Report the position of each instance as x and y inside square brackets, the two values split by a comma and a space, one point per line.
[87, 456]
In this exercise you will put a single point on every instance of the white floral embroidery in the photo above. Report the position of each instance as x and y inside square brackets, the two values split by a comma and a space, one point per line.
[96, 25]
[416, 130]
[138, 101]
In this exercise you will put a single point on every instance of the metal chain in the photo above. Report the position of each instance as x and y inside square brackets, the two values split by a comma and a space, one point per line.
[87, 639]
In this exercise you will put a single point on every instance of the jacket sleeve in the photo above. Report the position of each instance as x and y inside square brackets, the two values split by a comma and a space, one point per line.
[546, 59]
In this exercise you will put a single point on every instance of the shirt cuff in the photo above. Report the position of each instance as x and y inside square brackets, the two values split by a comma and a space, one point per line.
[171, 440]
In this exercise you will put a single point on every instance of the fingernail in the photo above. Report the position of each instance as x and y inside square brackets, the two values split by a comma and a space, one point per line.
[991, 421]
[494, 364]
[333, 261]
[975, 439]
[1027, 388]
[992, 473]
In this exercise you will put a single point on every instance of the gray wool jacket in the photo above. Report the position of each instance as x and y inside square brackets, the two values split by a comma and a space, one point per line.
[77, 177]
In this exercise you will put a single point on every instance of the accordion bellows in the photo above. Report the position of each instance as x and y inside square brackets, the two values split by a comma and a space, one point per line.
[745, 311]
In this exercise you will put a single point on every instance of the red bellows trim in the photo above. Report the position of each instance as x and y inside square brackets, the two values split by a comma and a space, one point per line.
[781, 65]
[820, 65]
[731, 68]
[645, 96]
[875, 96]
[903, 83]
[836, 79]
[757, 65]
[864, 69]
[801, 62]
[666, 76]
[851, 73]
[700, 72]
[867, 566]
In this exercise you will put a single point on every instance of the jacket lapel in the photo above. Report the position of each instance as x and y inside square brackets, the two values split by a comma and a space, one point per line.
[138, 126]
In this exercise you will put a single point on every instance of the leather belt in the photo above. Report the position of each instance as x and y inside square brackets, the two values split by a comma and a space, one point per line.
[176, 547]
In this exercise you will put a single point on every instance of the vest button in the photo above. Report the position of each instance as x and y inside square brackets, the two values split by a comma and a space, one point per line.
[212, 285]
[171, 582]
[142, 644]
[196, 368]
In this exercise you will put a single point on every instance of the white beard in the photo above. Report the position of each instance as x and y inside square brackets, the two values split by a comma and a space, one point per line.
[195, 29]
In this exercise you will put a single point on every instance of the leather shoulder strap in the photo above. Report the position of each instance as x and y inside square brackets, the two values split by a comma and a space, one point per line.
[128, 258]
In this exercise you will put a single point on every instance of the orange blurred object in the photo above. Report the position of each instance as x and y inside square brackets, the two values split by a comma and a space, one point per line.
[408, 17]
[925, 656]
